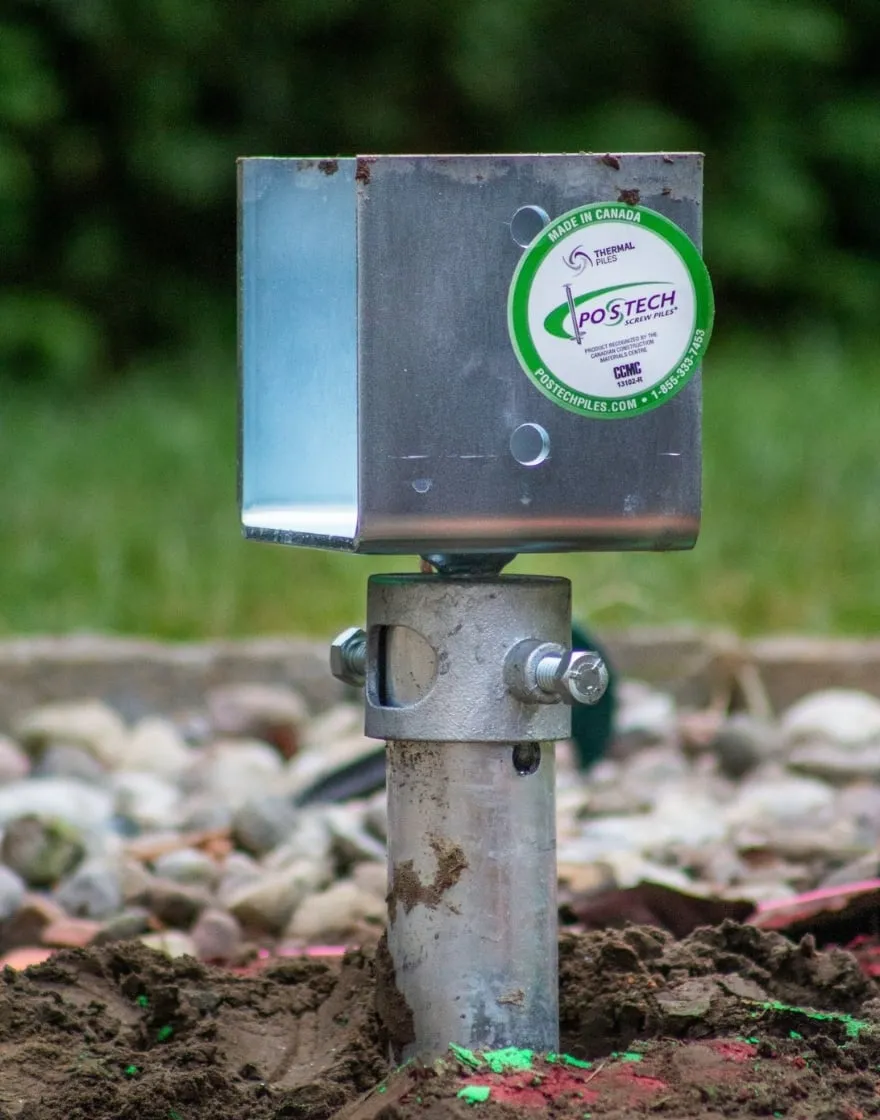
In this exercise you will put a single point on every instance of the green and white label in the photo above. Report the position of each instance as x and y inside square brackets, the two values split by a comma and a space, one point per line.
[610, 310]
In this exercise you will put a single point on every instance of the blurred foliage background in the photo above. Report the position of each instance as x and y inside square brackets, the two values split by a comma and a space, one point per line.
[120, 121]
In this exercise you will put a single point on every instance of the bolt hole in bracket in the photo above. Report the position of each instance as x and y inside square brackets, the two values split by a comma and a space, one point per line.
[530, 445]
[526, 223]
[526, 758]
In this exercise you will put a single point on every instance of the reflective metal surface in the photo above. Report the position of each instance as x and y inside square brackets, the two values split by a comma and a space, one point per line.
[436, 654]
[298, 351]
[472, 895]
[383, 407]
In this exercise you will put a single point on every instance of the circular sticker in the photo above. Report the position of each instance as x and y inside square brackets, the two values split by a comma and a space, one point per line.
[610, 310]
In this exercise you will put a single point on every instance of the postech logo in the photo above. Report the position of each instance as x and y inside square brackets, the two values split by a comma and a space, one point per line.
[625, 307]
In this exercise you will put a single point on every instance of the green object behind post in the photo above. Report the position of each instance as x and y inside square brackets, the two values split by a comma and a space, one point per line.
[592, 729]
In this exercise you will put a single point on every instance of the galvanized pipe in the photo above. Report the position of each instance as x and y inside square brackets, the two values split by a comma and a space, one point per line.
[472, 928]
[452, 685]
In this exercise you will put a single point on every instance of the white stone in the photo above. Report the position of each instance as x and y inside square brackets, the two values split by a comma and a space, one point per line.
[238, 871]
[202, 812]
[687, 816]
[266, 905]
[681, 816]
[146, 799]
[836, 762]
[171, 942]
[155, 746]
[837, 715]
[135, 881]
[351, 842]
[14, 763]
[64, 799]
[93, 891]
[62, 760]
[372, 877]
[12, 892]
[310, 839]
[645, 713]
[339, 722]
[334, 912]
[316, 762]
[88, 724]
[652, 769]
[376, 815]
[217, 935]
[234, 771]
[773, 795]
[263, 823]
[628, 868]
[188, 866]
[248, 710]
[860, 803]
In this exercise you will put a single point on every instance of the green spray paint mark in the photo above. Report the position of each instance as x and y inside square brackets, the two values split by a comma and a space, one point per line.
[173, 1114]
[515, 1059]
[382, 1089]
[627, 1055]
[498, 1061]
[130, 1071]
[474, 1094]
[164, 1033]
[511, 1058]
[796, 1036]
[854, 1027]
[468, 1057]
[568, 1060]
[142, 1001]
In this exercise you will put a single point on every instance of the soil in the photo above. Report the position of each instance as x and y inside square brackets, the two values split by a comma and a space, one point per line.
[408, 889]
[729, 1022]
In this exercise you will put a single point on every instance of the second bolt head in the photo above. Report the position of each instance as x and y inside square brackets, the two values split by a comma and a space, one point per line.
[347, 656]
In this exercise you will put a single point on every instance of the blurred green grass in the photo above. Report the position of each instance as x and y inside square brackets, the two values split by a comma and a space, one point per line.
[119, 513]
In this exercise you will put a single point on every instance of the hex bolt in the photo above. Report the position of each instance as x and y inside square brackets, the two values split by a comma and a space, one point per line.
[348, 656]
[579, 676]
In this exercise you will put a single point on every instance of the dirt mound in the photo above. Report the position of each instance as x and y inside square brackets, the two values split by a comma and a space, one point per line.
[729, 1022]
[639, 983]
[122, 1033]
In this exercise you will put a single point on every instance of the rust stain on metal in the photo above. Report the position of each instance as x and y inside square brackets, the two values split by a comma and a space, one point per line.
[517, 997]
[408, 890]
[630, 197]
[328, 166]
[363, 170]
[610, 161]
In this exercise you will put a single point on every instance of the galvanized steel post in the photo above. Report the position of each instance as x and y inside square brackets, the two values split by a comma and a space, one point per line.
[472, 922]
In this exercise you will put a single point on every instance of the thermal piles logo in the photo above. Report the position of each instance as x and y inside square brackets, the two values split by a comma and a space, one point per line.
[610, 310]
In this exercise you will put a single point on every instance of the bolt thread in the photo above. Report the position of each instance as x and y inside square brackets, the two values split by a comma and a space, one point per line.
[545, 672]
[355, 655]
